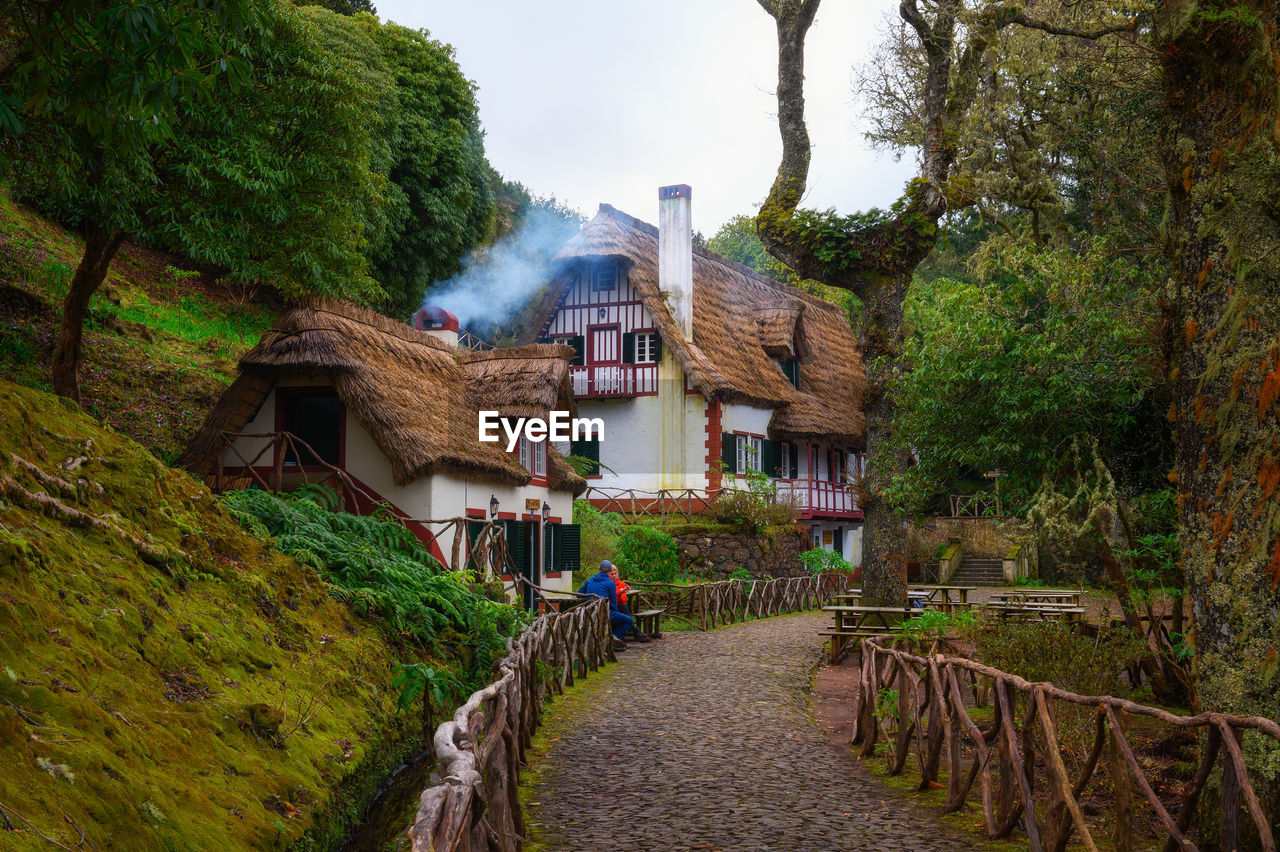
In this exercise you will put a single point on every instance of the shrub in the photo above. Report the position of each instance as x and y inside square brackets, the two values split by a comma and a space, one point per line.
[383, 573]
[647, 555]
[1057, 653]
[600, 534]
[739, 574]
[753, 508]
[819, 561]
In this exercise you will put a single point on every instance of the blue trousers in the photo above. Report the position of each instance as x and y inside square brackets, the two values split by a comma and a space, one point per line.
[620, 623]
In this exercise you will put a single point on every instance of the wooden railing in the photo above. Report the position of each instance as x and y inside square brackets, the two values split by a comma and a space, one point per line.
[917, 704]
[485, 555]
[477, 804]
[819, 496]
[596, 380]
[638, 503]
[709, 605]
[975, 506]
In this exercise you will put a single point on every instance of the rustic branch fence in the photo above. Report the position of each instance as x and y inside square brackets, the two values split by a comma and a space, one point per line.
[483, 555]
[917, 704]
[687, 503]
[477, 804]
[708, 605]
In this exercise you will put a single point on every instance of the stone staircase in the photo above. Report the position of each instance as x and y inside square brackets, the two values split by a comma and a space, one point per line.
[978, 572]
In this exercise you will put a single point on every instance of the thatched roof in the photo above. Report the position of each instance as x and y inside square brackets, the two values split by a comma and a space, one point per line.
[416, 396]
[741, 322]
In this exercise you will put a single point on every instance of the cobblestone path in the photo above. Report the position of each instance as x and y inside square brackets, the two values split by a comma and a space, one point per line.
[704, 741]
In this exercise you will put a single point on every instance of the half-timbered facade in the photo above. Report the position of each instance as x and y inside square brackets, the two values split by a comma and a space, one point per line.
[703, 371]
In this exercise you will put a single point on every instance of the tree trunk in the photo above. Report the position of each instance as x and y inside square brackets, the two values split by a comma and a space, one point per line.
[884, 545]
[1221, 67]
[100, 246]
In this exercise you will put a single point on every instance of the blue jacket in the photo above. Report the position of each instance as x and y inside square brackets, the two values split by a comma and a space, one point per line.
[602, 584]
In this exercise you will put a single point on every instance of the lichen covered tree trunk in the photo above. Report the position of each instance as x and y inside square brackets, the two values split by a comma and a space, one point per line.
[1221, 70]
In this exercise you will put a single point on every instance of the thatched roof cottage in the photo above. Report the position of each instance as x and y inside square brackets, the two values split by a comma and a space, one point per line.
[702, 369]
[396, 410]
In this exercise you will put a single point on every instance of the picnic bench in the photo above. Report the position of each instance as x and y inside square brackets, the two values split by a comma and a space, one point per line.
[944, 598]
[859, 622]
[1037, 611]
[1039, 596]
[648, 617]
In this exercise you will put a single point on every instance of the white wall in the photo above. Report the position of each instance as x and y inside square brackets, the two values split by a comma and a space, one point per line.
[852, 539]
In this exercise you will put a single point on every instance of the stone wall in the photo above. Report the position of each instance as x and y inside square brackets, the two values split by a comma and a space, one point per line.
[716, 555]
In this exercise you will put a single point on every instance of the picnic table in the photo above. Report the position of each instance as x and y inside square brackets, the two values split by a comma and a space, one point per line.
[944, 598]
[1037, 611]
[859, 622]
[564, 603]
[1045, 596]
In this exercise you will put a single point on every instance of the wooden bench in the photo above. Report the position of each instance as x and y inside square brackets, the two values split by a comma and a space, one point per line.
[841, 640]
[856, 622]
[1041, 612]
[649, 621]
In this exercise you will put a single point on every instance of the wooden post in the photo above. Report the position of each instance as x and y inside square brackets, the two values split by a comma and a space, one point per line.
[1123, 796]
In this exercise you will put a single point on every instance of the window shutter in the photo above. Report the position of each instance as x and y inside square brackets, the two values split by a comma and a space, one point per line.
[629, 347]
[579, 344]
[570, 547]
[515, 547]
[769, 457]
[729, 452]
[657, 347]
[795, 460]
[588, 450]
[791, 368]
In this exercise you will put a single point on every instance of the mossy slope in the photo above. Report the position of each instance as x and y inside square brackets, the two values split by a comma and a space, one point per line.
[208, 698]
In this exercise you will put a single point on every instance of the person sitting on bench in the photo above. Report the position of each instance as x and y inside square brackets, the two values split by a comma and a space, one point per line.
[601, 584]
[622, 587]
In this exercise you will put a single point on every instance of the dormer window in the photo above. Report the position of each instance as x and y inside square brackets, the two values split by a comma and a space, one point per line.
[604, 276]
[791, 369]
[533, 456]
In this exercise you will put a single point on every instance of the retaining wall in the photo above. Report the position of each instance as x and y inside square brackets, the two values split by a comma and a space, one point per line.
[719, 554]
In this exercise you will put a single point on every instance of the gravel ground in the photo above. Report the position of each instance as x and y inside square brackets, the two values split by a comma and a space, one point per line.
[704, 741]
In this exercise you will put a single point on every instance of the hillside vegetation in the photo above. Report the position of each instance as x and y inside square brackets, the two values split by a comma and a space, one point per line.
[167, 680]
[162, 337]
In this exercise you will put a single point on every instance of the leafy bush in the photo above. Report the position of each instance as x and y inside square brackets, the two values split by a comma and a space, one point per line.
[753, 508]
[1056, 652]
[739, 574]
[600, 534]
[382, 572]
[647, 555]
[819, 561]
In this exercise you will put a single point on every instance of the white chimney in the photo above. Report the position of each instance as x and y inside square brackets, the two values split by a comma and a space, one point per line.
[675, 254]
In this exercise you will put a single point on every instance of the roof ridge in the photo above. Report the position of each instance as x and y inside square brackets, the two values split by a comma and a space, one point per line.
[715, 257]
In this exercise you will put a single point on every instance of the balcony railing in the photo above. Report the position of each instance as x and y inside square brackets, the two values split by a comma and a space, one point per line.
[614, 380]
[818, 497]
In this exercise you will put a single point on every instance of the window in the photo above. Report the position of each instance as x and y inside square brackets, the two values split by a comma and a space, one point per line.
[589, 450]
[526, 456]
[788, 461]
[791, 369]
[837, 466]
[604, 277]
[314, 417]
[540, 458]
[750, 453]
[646, 351]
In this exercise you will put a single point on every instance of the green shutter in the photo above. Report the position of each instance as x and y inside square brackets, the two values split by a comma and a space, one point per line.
[515, 547]
[570, 547]
[657, 347]
[629, 347]
[588, 450]
[579, 344]
[769, 457]
[795, 460]
[729, 452]
[791, 368]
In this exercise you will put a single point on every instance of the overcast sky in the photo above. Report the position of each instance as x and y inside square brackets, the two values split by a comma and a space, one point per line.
[596, 101]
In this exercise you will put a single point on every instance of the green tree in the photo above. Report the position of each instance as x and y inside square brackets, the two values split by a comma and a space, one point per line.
[342, 7]
[875, 254]
[438, 197]
[244, 173]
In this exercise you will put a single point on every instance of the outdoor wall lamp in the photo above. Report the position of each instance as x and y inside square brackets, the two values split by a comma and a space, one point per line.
[493, 508]
[546, 511]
